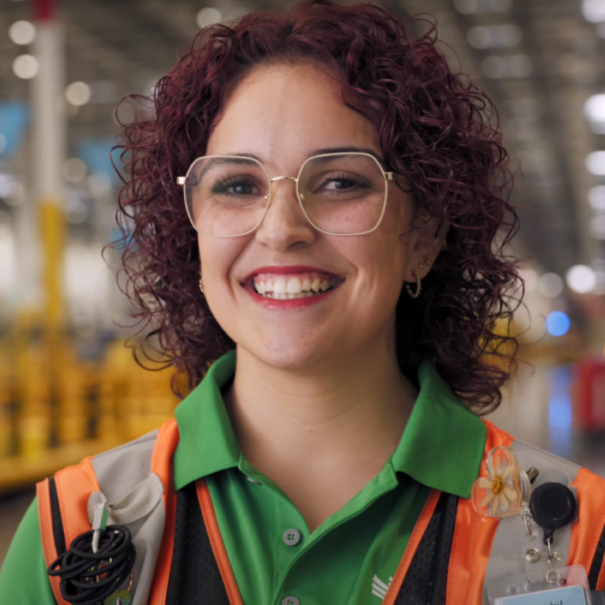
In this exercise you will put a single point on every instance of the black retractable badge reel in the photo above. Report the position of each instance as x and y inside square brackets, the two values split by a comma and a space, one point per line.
[552, 506]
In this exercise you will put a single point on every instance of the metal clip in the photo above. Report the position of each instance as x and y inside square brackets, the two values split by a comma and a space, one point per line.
[99, 523]
[553, 557]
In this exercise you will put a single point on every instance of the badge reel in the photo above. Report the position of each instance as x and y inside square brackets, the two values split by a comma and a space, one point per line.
[506, 493]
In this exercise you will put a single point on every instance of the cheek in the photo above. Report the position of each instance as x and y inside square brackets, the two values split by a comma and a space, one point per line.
[217, 257]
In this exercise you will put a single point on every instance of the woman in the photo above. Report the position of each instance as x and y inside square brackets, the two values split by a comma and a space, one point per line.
[314, 206]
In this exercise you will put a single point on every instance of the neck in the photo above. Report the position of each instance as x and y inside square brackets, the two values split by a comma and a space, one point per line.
[346, 415]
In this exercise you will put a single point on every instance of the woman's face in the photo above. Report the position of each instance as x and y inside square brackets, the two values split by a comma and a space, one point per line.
[282, 115]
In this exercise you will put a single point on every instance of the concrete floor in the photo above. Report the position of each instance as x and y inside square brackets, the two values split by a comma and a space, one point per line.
[537, 408]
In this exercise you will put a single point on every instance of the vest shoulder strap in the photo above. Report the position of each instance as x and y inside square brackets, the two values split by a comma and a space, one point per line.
[63, 501]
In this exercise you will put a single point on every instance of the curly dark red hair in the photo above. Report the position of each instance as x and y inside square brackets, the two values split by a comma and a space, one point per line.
[435, 127]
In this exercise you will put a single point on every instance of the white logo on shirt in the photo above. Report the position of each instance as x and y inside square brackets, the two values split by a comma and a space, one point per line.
[379, 588]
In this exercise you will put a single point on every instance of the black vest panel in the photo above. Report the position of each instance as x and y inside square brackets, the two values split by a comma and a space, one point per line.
[195, 578]
[426, 580]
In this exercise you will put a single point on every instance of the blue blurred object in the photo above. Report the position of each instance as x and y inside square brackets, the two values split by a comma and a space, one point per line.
[95, 153]
[557, 323]
[560, 414]
[14, 120]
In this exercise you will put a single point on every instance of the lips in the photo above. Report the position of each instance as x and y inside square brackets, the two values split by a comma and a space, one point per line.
[290, 270]
[290, 286]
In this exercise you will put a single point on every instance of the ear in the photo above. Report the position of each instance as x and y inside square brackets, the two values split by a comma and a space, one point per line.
[428, 239]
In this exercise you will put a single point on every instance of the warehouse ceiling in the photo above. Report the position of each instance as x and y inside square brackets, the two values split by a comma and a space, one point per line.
[539, 60]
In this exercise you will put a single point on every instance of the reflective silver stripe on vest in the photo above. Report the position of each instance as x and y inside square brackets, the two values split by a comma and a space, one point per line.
[118, 471]
[507, 557]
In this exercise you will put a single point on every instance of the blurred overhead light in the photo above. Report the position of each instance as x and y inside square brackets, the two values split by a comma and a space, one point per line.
[557, 323]
[494, 36]
[597, 226]
[74, 170]
[208, 16]
[507, 66]
[595, 112]
[550, 285]
[596, 197]
[593, 10]
[581, 279]
[76, 211]
[595, 163]
[467, 7]
[22, 32]
[77, 93]
[25, 67]
[599, 288]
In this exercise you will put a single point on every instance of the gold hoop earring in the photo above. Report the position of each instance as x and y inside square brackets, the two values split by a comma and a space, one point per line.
[202, 287]
[418, 287]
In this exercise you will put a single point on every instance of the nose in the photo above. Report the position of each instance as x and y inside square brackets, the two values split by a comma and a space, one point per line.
[284, 224]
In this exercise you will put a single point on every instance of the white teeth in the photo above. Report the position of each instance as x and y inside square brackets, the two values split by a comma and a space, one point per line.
[282, 288]
[279, 286]
[294, 286]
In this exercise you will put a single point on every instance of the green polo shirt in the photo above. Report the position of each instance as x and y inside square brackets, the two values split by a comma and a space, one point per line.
[351, 557]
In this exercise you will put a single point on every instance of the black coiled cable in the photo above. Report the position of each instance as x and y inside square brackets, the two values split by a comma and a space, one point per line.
[88, 578]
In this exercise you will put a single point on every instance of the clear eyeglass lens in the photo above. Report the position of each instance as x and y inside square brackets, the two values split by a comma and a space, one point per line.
[340, 193]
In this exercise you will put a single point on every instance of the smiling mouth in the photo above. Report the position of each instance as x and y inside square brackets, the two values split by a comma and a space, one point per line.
[288, 287]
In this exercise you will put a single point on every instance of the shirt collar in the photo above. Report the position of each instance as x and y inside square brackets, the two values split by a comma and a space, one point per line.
[443, 442]
[207, 443]
[441, 447]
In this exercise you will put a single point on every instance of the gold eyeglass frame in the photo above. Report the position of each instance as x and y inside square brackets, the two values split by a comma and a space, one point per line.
[388, 176]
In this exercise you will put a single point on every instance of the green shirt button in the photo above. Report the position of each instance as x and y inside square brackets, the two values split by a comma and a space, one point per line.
[290, 601]
[291, 537]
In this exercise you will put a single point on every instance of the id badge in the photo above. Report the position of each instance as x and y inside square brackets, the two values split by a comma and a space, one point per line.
[569, 595]
[562, 586]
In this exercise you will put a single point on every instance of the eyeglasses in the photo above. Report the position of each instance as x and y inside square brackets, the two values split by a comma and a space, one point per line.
[339, 193]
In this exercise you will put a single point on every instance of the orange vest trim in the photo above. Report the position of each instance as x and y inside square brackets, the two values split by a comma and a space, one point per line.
[216, 541]
[161, 465]
[586, 534]
[47, 535]
[410, 551]
[473, 538]
[74, 485]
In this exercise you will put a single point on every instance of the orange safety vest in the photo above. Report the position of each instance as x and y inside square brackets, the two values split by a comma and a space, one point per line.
[445, 562]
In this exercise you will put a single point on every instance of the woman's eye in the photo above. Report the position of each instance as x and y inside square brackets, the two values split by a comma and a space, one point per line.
[237, 188]
[342, 183]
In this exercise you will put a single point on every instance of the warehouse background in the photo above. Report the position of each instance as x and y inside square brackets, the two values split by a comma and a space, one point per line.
[68, 385]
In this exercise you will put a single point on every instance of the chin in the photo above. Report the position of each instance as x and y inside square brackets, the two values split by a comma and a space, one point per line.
[289, 355]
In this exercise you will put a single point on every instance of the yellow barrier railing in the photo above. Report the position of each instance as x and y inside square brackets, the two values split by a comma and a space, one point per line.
[58, 405]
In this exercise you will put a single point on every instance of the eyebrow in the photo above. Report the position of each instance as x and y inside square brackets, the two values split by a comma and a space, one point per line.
[322, 151]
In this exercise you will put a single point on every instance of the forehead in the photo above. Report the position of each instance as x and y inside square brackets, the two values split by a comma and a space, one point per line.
[284, 112]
